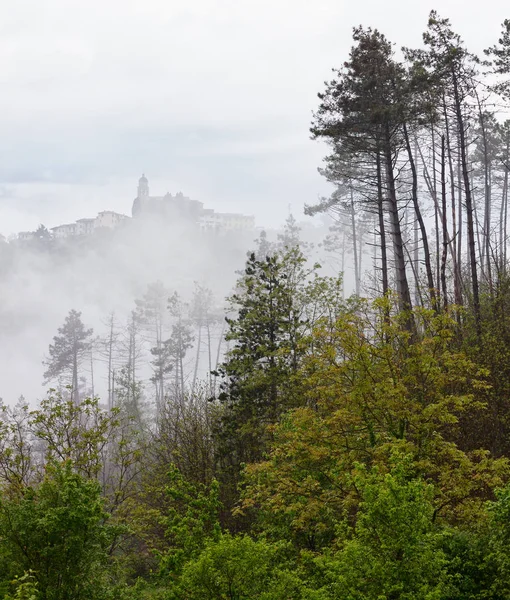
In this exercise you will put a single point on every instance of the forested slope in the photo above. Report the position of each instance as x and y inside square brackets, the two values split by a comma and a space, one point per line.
[337, 448]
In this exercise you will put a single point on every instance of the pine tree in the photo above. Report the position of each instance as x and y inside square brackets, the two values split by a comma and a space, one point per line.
[69, 349]
[257, 374]
[361, 114]
[452, 72]
[153, 318]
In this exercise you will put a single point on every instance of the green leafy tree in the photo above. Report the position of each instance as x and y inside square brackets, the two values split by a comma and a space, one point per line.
[394, 550]
[274, 307]
[58, 531]
[102, 446]
[26, 588]
[495, 558]
[369, 391]
[232, 568]
[175, 349]
[76, 433]
[192, 519]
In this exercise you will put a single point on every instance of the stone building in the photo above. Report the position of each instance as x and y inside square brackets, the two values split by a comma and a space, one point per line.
[167, 206]
[182, 208]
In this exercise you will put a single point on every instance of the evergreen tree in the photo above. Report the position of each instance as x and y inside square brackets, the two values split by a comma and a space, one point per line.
[180, 341]
[361, 114]
[500, 59]
[153, 318]
[264, 246]
[257, 371]
[69, 349]
[452, 72]
[290, 236]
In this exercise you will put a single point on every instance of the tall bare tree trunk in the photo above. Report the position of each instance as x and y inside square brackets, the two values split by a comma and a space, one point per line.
[433, 186]
[419, 217]
[197, 358]
[457, 285]
[92, 373]
[354, 244]
[503, 219]
[398, 243]
[218, 350]
[110, 361]
[74, 387]
[382, 227]
[460, 213]
[445, 224]
[342, 263]
[469, 207]
[209, 375]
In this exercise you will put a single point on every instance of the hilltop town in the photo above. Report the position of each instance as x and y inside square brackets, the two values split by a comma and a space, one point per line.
[176, 207]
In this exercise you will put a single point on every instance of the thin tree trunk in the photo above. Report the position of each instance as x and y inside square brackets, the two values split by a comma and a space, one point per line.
[197, 358]
[459, 212]
[110, 363]
[92, 373]
[398, 244]
[208, 329]
[342, 263]
[419, 217]
[457, 286]
[469, 208]
[505, 218]
[501, 225]
[416, 253]
[416, 260]
[374, 253]
[218, 350]
[360, 256]
[382, 230]
[486, 249]
[354, 245]
[445, 224]
[75, 391]
[448, 142]
[436, 206]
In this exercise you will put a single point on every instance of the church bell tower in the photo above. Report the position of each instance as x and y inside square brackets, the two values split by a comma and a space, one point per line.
[142, 197]
[143, 187]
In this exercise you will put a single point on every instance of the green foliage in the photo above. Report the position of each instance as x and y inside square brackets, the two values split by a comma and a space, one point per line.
[471, 572]
[79, 433]
[368, 392]
[265, 331]
[57, 531]
[277, 301]
[191, 520]
[491, 428]
[356, 450]
[26, 588]
[100, 445]
[394, 550]
[239, 567]
[497, 554]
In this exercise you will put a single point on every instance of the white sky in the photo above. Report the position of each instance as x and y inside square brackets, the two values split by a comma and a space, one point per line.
[213, 98]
